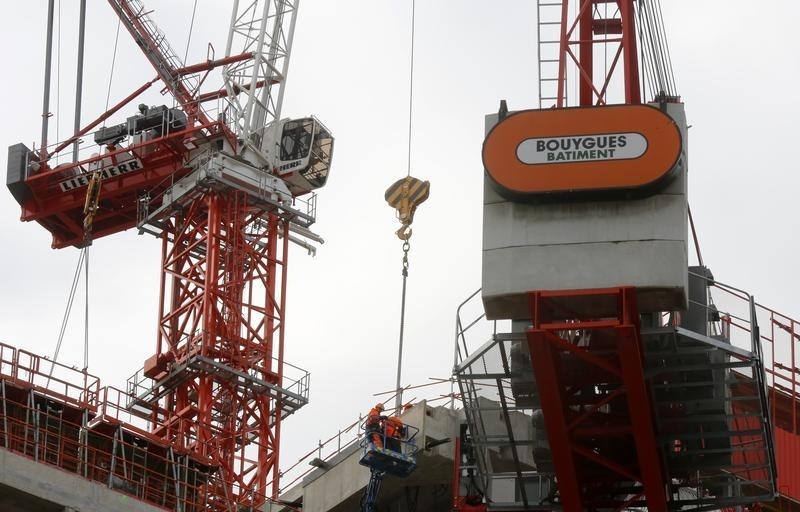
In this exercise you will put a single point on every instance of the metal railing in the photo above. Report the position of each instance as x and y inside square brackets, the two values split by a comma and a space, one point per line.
[346, 437]
[43, 426]
[67, 383]
[761, 346]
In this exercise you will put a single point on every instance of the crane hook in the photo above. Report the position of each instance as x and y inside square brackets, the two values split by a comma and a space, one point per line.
[404, 233]
[405, 195]
[91, 204]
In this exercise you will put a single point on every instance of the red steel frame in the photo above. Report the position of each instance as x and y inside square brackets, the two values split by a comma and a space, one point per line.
[223, 286]
[588, 29]
[222, 292]
[614, 429]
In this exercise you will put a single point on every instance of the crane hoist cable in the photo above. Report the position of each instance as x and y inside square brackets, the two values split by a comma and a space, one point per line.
[70, 299]
[411, 84]
[89, 210]
[404, 195]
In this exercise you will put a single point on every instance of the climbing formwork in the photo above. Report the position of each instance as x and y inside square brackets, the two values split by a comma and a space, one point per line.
[607, 408]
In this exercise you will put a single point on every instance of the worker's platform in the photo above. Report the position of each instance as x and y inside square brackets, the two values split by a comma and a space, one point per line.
[390, 454]
[337, 483]
[388, 461]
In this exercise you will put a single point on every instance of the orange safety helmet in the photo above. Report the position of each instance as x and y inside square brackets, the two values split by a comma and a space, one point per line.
[379, 406]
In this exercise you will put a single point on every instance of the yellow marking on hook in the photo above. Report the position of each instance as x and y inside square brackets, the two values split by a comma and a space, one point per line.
[92, 201]
[405, 195]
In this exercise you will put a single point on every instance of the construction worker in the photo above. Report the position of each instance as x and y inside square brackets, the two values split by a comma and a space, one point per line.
[374, 425]
[395, 433]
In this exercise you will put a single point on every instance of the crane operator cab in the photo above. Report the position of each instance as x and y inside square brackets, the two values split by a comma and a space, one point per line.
[390, 448]
[304, 156]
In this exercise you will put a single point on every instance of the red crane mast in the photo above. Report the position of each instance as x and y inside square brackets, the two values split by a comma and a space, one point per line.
[225, 196]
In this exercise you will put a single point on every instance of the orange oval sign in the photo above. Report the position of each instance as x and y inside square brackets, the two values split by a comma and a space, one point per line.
[622, 148]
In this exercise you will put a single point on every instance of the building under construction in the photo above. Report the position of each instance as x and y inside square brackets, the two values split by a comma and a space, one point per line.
[600, 370]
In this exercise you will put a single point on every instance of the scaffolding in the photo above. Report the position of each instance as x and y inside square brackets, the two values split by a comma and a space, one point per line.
[716, 397]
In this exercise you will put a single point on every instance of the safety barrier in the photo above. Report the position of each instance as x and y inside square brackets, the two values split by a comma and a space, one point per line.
[759, 350]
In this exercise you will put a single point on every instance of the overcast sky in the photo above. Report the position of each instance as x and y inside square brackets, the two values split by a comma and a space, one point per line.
[736, 72]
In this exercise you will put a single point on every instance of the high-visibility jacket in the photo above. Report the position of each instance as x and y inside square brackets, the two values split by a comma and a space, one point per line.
[374, 418]
[394, 427]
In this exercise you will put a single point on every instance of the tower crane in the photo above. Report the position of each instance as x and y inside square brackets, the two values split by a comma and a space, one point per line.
[225, 194]
[619, 387]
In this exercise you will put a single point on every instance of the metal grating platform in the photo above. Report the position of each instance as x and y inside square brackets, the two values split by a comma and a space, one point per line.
[710, 419]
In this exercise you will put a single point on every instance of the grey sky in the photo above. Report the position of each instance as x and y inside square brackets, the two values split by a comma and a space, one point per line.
[738, 77]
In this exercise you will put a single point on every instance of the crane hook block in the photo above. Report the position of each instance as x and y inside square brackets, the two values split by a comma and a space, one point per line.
[91, 203]
[405, 195]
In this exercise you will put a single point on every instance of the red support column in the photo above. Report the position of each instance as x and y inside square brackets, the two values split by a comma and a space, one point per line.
[586, 55]
[561, 92]
[631, 64]
[586, 32]
[641, 414]
[223, 304]
[545, 368]
[587, 360]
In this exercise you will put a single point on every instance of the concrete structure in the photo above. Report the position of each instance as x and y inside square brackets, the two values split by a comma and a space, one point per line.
[338, 486]
[587, 244]
[29, 486]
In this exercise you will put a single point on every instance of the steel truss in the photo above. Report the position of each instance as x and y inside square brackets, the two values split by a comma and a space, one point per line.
[215, 385]
[265, 30]
[706, 393]
[597, 25]
[612, 439]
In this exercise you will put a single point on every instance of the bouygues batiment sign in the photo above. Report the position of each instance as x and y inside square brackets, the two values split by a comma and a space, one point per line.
[629, 150]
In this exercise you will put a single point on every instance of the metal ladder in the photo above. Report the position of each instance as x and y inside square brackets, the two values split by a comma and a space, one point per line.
[138, 466]
[548, 18]
[53, 421]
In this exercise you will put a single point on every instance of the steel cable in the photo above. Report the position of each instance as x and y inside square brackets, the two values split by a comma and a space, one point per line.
[189, 38]
[68, 310]
[668, 62]
[113, 64]
[86, 311]
[411, 84]
[655, 57]
[58, 78]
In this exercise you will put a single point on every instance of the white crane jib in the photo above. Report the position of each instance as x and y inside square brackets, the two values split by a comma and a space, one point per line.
[298, 151]
[255, 87]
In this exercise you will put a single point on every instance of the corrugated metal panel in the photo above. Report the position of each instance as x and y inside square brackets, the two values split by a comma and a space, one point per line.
[787, 450]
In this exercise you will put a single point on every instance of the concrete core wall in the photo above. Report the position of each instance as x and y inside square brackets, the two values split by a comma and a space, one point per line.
[587, 244]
